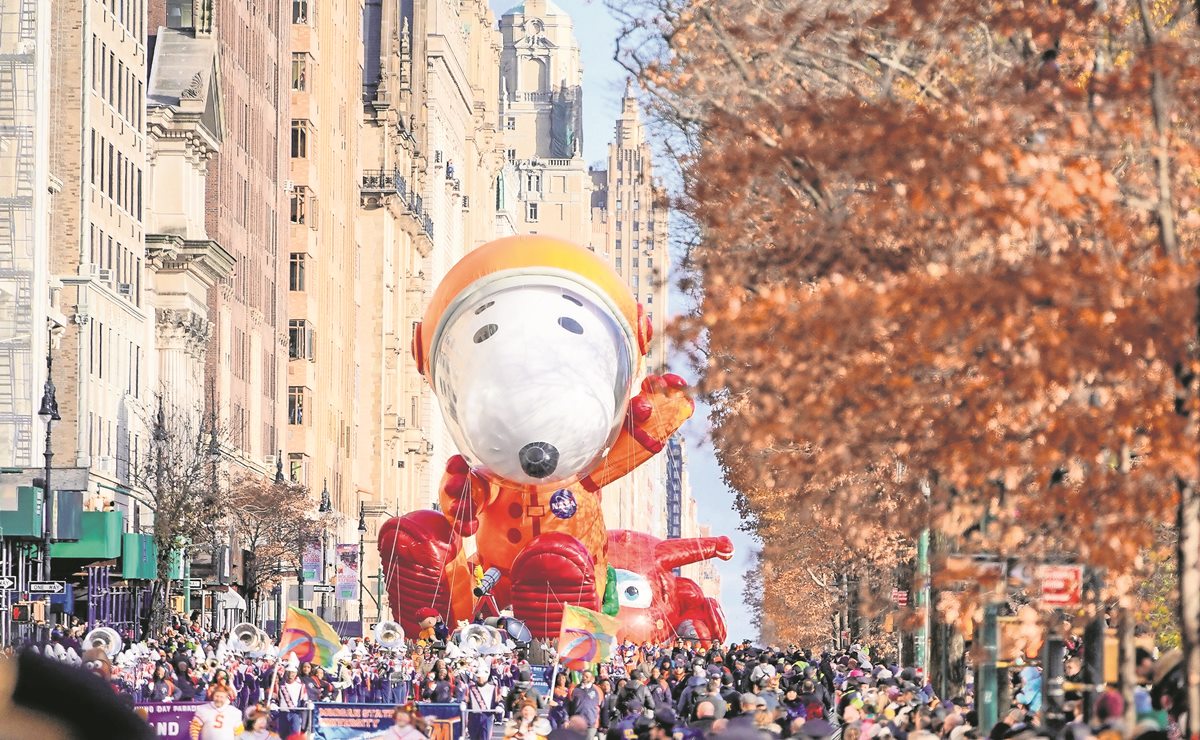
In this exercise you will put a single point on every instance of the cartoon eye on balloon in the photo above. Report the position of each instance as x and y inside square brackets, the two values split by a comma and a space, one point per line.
[633, 590]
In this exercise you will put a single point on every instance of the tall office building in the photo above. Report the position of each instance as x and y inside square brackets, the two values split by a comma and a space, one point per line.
[541, 110]
[629, 222]
[629, 229]
[26, 184]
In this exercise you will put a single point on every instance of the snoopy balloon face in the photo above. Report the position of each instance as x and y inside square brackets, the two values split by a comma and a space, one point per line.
[532, 374]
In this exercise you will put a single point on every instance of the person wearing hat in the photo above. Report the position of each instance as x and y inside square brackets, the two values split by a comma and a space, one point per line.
[523, 690]
[483, 704]
[292, 700]
[817, 729]
[635, 697]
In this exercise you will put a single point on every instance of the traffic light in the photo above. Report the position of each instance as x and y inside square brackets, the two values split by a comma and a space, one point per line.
[21, 612]
[177, 604]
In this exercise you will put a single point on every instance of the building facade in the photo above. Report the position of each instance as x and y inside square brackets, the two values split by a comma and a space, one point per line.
[630, 220]
[541, 111]
[26, 187]
[104, 357]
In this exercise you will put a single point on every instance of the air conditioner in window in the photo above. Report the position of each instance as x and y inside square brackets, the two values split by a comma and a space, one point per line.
[105, 275]
[125, 289]
[104, 463]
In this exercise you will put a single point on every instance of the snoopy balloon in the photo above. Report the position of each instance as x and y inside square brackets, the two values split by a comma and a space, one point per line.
[533, 347]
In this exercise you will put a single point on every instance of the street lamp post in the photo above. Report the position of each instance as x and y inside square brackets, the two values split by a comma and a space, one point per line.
[362, 559]
[324, 509]
[214, 456]
[49, 414]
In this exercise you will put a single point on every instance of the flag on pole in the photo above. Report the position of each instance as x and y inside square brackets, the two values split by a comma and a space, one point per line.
[586, 637]
[309, 637]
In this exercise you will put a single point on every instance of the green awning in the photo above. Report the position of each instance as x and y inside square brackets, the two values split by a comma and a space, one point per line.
[21, 515]
[139, 559]
[100, 537]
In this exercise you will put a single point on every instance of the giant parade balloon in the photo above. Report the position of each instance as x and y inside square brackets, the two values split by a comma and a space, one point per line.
[534, 350]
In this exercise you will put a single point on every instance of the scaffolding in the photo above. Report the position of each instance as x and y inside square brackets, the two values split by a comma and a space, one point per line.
[18, 117]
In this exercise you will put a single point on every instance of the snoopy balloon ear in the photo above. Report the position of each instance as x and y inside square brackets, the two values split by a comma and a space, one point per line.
[418, 349]
[645, 330]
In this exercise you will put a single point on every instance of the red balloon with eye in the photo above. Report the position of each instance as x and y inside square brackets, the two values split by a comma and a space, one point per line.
[657, 605]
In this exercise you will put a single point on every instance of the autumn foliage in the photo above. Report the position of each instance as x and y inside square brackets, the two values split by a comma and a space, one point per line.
[946, 256]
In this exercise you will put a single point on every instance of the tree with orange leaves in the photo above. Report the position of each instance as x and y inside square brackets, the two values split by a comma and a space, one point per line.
[956, 240]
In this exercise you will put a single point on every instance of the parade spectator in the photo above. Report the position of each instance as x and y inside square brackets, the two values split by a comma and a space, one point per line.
[218, 719]
[527, 725]
[257, 723]
[404, 726]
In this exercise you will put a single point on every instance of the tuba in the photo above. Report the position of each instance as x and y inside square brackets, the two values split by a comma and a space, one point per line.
[246, 638]
[103, 638]
[475, 637]
[389, 635]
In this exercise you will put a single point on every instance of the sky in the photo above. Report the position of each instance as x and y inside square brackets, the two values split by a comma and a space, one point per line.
[603, 84]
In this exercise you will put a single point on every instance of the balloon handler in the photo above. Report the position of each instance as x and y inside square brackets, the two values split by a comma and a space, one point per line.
[533, 347]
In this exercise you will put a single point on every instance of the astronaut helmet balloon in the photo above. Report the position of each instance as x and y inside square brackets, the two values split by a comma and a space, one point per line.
[532, 371]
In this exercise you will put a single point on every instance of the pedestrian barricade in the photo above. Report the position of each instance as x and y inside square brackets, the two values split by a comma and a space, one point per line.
[336, 721]
[331, 721]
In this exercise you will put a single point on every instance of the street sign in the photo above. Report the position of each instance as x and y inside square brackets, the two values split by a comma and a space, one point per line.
[47, 587]
[322, 588]
[899, 597]
[1062, 585]
[195, 583]
[8, 583]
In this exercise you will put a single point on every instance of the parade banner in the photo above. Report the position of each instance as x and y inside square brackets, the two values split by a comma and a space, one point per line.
[311, 562]
[347, 572]
[359, 721]
[170, 719]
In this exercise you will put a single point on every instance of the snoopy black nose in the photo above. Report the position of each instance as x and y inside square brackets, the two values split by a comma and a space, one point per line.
[538, 459]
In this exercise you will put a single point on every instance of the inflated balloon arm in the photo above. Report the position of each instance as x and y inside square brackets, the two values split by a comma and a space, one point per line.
[654, 415]
[463, 494]
[676, 553]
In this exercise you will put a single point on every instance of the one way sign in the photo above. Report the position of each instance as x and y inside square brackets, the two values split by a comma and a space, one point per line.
[8, 583]
[47, 587]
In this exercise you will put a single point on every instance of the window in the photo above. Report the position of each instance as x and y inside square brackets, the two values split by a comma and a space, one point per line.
[618, 264]
[295, 405]
[649, 263]
[300, 134]
[299, 206]
[618, 247]
[299, 71]
[636, 224]
[533, 182]
[531, 212]
[649, 298]
[636, 282]
[296, 467]
[510, 124]
[511, 155]
[299, 11]
[635, 261]
[300, 340]
[296, 271]
[635, 245]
